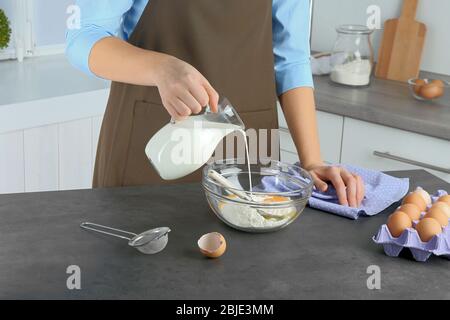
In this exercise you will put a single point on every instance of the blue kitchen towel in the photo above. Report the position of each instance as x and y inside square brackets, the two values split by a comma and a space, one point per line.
[382, 190]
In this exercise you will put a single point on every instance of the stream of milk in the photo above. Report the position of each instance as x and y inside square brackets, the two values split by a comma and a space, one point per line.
[244, 135]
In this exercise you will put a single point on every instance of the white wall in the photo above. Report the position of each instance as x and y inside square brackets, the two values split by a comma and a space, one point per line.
[50, 21]
[50, 16]
[434, 13]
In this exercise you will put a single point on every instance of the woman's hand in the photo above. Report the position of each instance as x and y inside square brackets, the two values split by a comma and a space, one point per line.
[183, 89]
[300, 113]
[349, 187]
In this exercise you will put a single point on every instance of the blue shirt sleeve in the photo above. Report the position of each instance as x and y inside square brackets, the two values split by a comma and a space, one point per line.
[291, 33]
[98, 19]
[106, 18]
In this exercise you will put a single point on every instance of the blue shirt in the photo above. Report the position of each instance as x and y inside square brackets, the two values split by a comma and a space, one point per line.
[105, 18]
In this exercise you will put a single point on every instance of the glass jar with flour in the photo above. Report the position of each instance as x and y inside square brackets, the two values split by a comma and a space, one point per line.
[352, 58]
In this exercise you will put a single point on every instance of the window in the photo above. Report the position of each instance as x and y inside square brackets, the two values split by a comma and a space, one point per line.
[38, 27]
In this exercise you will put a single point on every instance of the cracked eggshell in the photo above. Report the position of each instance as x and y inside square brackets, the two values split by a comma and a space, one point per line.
[212, 245]
[425, 195]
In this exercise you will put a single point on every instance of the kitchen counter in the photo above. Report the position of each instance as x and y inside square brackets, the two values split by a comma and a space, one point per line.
[42, 78]
[319, 256]
[387, 103]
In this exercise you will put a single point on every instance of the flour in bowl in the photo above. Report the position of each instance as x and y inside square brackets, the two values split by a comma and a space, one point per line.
[245, 216]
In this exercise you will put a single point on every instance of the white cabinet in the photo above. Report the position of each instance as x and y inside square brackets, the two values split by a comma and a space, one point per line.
[352, 141]
[50, 144]
[361, 139]
[12, 175]
[75, 154]
[288, 157]
[281, 120]
[330, 135]
[41, 159]
[96, 126]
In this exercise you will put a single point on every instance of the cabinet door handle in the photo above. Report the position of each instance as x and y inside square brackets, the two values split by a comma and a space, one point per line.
[387, 155]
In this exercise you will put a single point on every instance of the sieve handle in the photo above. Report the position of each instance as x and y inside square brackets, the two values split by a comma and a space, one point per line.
[112, 231]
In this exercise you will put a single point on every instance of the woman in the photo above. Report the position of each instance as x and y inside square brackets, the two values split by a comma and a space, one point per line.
[172, 57]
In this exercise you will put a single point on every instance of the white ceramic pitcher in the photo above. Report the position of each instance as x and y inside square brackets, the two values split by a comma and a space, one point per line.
[182, 147]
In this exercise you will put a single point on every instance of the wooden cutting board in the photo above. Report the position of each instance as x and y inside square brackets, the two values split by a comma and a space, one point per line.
[402, 45]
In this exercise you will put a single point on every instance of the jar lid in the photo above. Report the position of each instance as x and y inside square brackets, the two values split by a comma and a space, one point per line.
[353, 29]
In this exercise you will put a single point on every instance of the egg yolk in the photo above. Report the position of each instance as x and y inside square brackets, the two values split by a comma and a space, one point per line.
[272, 199]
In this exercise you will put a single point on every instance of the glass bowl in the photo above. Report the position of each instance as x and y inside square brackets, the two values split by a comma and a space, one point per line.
[421, 89]
[280, 194]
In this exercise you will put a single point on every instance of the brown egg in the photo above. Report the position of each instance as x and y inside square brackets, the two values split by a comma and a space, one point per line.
[416, 199]
[424, 194]
[443, 206]
[398, 222]
[418, 85]
[438, 215]
[445, 199]
[432, 90]
[212, 245]
[427, 228]
[438, 83]
[411, 210]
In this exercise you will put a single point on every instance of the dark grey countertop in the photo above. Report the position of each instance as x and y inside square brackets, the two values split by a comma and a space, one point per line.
[319, 256]
[387, 103]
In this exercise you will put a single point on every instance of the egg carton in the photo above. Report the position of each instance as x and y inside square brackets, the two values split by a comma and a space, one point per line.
[439, 245]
